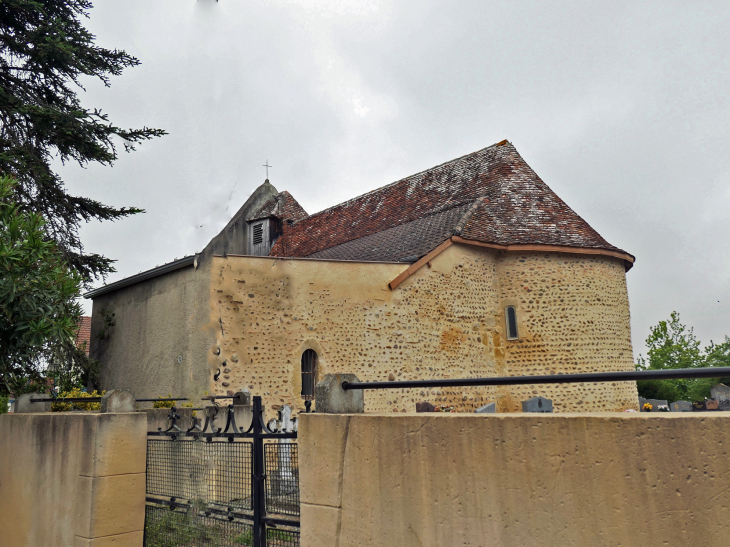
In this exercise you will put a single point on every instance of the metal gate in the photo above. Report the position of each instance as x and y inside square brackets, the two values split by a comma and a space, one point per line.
[215, 487]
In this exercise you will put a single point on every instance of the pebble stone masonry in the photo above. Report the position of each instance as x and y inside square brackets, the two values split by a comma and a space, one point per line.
[445, 321]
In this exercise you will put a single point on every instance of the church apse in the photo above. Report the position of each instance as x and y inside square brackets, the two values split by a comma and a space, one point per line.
[445, 321]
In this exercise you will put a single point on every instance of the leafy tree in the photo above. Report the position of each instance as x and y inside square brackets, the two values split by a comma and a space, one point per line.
[45, 51]
[715, 355]
[39, 314]
[671, 345]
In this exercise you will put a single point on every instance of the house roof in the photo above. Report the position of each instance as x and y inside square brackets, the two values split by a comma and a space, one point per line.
[282, 205]
[489, 196]
[83, 335]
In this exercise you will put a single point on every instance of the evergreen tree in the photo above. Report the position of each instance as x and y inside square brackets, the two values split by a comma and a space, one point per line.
[44, 52]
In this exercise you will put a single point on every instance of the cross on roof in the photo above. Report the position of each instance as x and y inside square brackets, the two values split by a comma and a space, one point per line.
[267, 169]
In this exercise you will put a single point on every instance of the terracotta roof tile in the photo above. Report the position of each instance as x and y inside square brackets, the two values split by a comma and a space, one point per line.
[491, 196]
[415, 238]
[83, 336]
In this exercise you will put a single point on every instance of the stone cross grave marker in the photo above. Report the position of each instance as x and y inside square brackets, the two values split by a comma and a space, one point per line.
[286, 482]
[681, 406]
[491, 408]
[537, 404]
[286, 422]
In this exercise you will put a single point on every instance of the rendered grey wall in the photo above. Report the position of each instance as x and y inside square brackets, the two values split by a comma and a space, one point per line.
[160, 341]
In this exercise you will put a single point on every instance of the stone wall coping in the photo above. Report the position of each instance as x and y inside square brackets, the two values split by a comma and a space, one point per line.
[716, 414]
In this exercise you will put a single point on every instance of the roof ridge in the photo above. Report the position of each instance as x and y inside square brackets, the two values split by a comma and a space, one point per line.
[468, 214]
[500, 143]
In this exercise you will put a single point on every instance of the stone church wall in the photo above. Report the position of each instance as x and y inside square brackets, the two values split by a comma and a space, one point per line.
[445, 321]
[573, 316]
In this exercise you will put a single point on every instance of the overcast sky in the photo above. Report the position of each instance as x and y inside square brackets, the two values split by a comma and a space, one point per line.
[622, 108]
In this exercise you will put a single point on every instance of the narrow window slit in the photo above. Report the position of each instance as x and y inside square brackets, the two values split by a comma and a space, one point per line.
[309, 374]
[510, 315]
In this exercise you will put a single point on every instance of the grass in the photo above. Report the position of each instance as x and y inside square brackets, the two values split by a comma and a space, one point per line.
[176, 529]
[165, 528]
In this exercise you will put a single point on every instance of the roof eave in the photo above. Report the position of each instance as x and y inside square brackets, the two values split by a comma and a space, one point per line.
[143, 276]
[627, 258]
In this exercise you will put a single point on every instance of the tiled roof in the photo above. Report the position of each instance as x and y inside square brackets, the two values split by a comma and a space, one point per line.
[415, 238]
[83, 336]
[490, 196]
[282, 205]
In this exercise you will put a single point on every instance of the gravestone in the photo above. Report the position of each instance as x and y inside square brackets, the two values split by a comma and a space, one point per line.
[698, 406]
[285, 419]
[712, 404]
[424, 407]
[720, 392]
[537, 404]
[655, 403]
[725, 406]
[681, 406]
[284, 481]
[491, 408]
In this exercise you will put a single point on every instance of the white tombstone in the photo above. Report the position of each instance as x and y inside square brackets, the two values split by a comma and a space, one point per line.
[286, 477]
[286, 422]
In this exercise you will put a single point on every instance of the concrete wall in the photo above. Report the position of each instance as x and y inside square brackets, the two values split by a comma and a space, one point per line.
[72, 479]
[445, 321]
[512, 480]
[160, 342]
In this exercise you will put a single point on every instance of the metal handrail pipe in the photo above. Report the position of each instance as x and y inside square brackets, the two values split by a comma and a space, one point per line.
[68, 400]
[161, 399]
[97, 400]
[684, 373]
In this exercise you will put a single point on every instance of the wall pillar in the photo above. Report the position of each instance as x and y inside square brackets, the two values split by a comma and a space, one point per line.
[72, 479]
[111, 484]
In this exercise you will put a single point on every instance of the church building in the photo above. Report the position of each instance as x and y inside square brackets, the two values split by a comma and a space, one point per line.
[472, 268]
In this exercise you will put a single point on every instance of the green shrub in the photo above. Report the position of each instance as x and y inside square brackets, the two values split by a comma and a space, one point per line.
[164, 404]
[76, 392]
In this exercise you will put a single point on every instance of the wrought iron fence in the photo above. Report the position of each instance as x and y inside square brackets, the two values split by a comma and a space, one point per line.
[216, 487]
